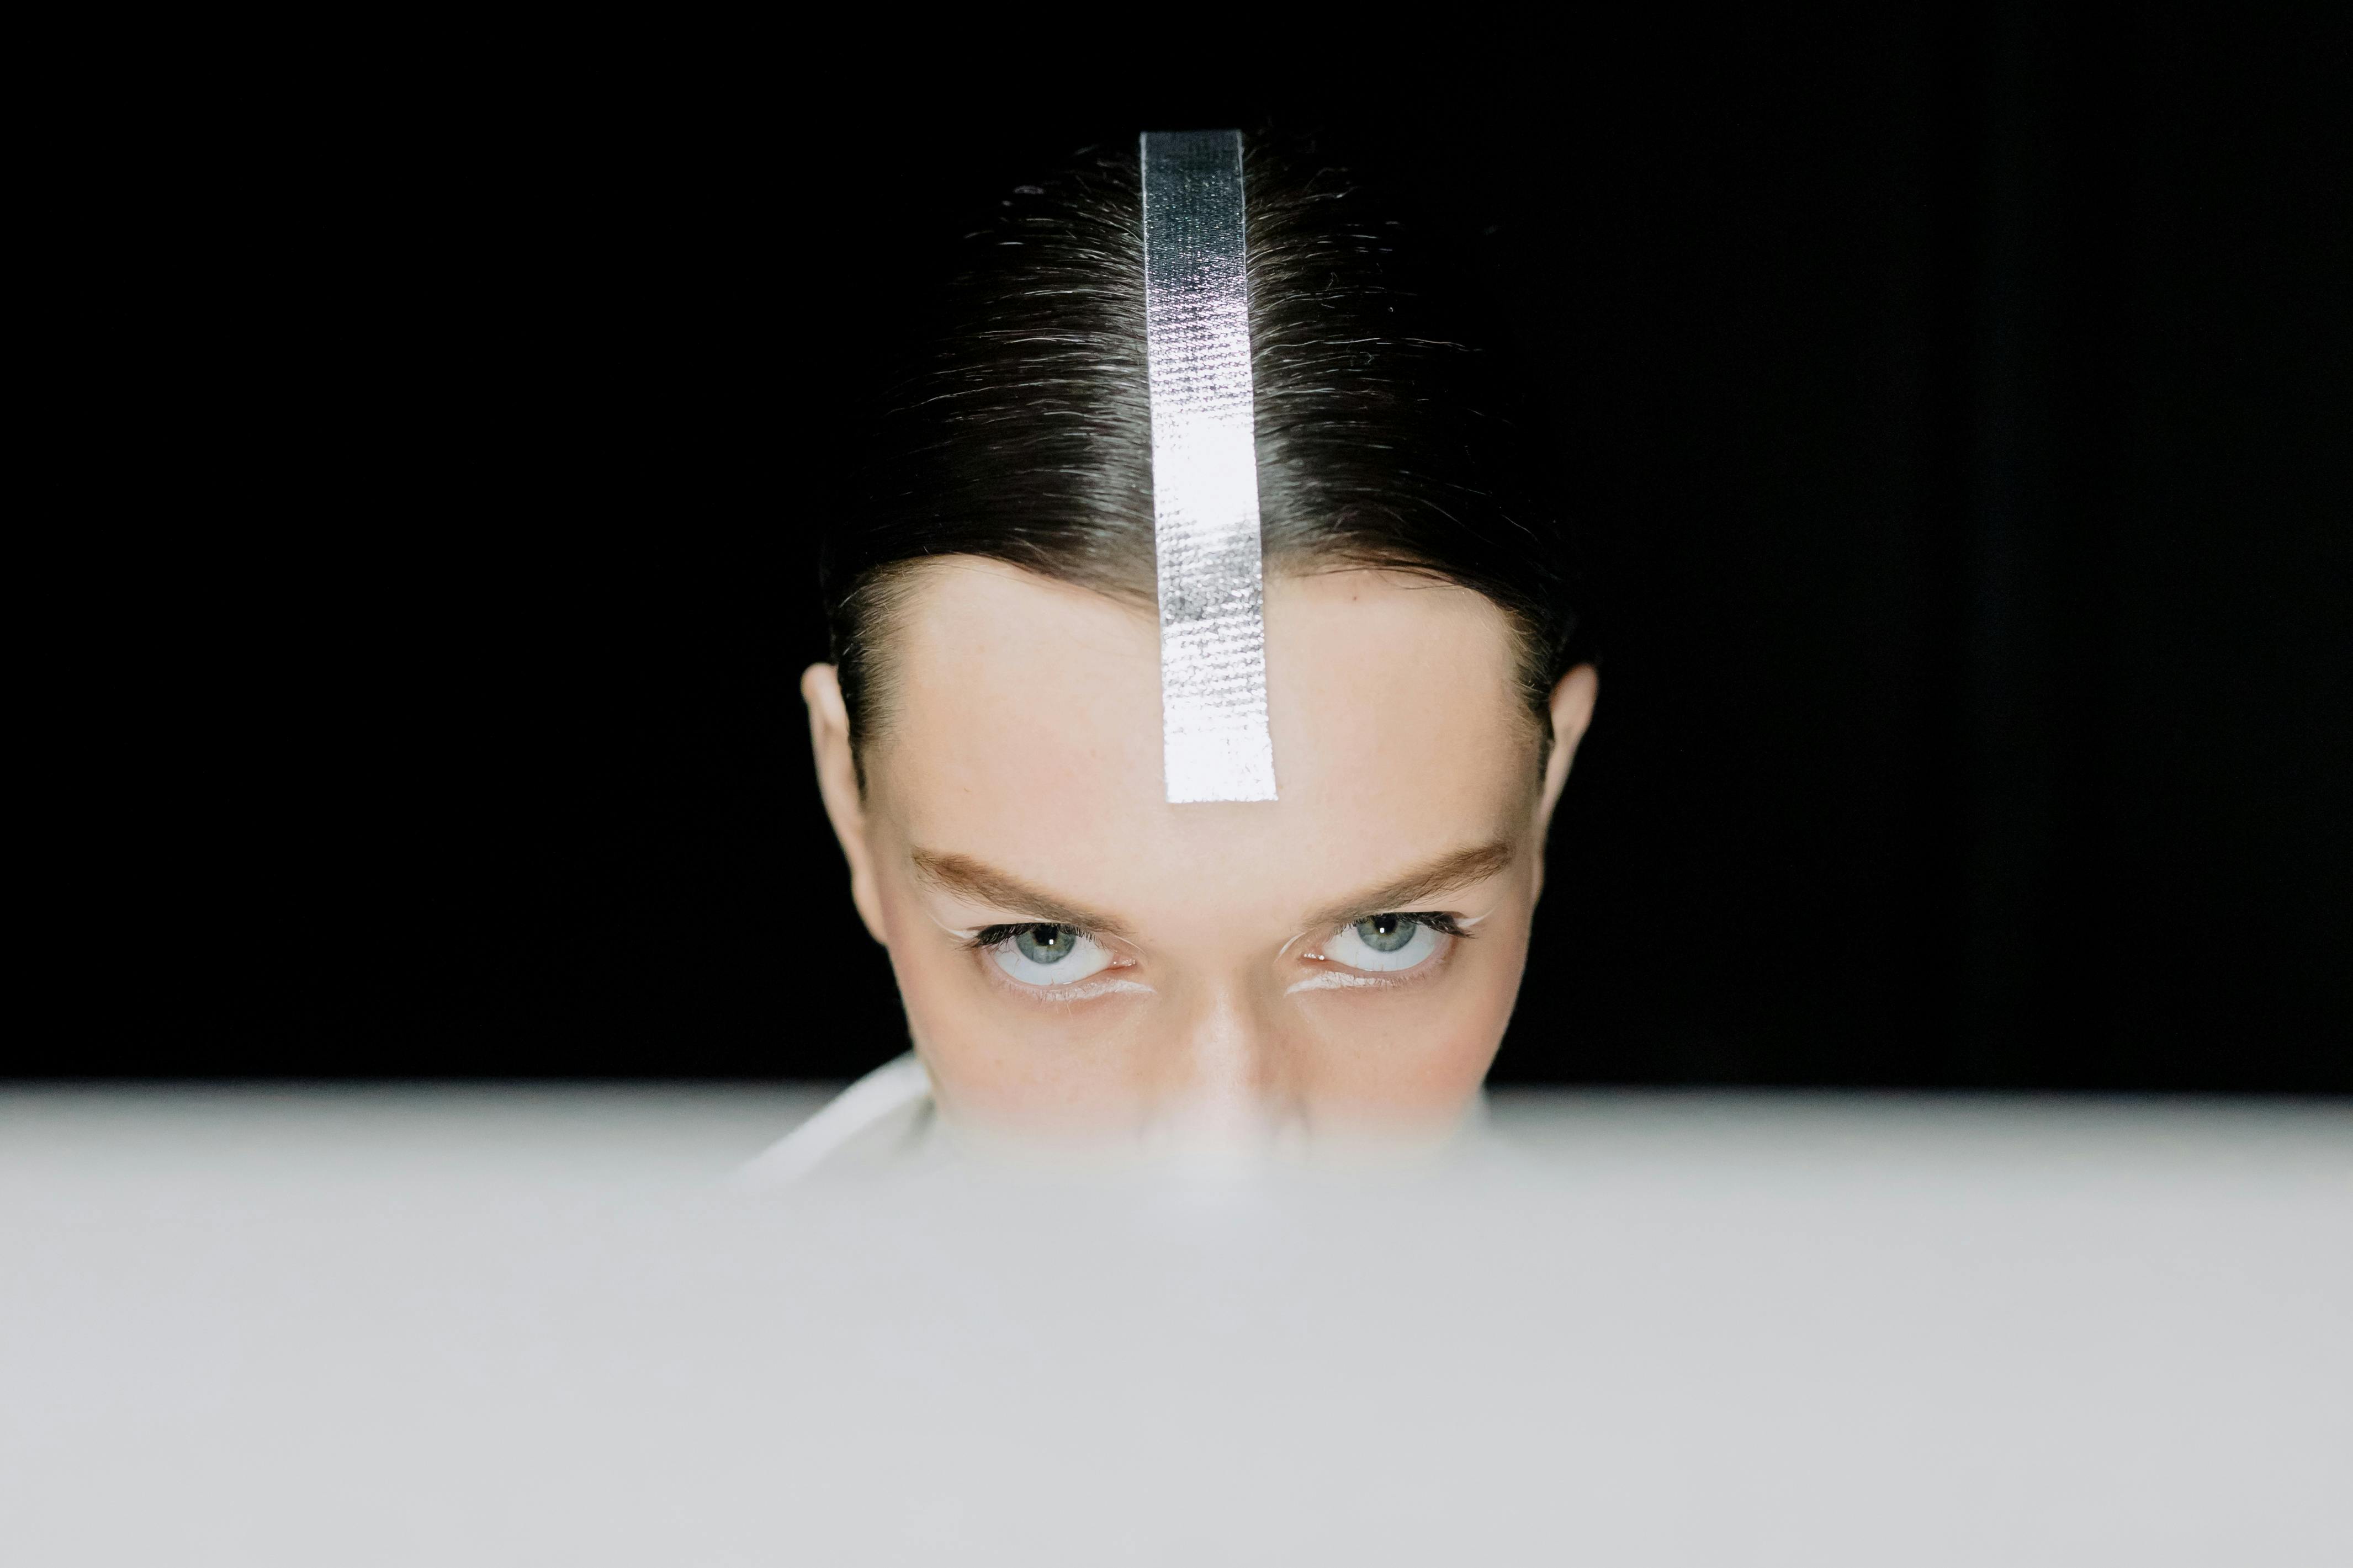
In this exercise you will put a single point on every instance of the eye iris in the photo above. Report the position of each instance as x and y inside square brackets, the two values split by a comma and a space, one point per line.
[1045, 944]
[1386, 934]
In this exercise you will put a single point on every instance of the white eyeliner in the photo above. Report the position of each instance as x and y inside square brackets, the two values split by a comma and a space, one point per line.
[1087, 990]
[1334, 980]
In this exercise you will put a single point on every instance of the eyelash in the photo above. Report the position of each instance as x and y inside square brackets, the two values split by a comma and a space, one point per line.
[988, 937]
[1328, 974]
[1442, 923]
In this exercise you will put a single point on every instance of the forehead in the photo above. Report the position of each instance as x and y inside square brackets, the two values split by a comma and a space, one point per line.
[1025, 731]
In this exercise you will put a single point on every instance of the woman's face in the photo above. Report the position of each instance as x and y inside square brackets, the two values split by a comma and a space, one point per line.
[1077, 956]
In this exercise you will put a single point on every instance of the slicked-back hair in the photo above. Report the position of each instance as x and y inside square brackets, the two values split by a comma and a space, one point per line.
[1386, 436]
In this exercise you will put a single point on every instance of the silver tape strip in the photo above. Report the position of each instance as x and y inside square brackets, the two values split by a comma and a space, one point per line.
[1214, 739]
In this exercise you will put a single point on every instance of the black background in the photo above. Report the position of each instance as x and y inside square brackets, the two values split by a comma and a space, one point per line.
[1958, 400]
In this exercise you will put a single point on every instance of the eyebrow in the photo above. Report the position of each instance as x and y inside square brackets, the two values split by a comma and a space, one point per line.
[967, 877]
[1455, 869]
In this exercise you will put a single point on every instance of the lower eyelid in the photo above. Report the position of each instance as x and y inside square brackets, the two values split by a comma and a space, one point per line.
[1342, 980]
[1083, 991]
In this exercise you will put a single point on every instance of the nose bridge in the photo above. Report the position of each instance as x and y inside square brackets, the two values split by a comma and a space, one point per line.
[1225, 1054]
[1232, 1058]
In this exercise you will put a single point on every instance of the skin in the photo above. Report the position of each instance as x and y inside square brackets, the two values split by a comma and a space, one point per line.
[1019, 781]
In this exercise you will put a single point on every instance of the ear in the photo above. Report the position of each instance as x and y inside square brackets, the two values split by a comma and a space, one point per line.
[837, 781]
[1572, 712]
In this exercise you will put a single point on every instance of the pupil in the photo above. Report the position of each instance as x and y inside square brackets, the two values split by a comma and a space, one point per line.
[1387, 933]
[1044, 944]
[1385, 925]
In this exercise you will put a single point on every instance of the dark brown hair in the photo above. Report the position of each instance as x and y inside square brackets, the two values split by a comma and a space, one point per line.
[1385, 436]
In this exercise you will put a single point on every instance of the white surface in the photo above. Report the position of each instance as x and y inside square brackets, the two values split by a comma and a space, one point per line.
[888, 1100]
[512, 1327]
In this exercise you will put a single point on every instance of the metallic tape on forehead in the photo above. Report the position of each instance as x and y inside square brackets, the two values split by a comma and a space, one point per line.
[1214, 738]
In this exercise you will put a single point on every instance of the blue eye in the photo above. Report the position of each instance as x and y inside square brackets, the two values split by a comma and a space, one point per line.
[1043, 954]
[1046, 944]
[1387, 943]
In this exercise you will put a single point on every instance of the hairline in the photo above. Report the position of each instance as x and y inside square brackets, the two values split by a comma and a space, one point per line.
[875, 602]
